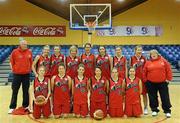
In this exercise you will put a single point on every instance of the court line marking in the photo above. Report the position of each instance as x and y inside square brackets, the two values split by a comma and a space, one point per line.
[35, 120]
[160, 120]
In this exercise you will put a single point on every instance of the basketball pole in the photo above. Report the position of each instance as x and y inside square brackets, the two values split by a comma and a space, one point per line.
[89, 37]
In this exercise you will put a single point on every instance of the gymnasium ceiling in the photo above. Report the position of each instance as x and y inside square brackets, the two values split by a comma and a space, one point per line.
[61, 7]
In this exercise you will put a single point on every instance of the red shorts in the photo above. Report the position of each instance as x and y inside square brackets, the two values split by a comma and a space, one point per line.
[116, 112]
[38, 110]
[98, 105]
[81, 109]
[59, 109]
[144, 91]
[133, 110]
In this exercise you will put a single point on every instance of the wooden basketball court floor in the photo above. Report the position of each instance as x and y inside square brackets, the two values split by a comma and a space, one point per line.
[5, 95]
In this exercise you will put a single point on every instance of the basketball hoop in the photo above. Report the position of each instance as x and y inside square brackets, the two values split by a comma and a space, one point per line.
[91, 27]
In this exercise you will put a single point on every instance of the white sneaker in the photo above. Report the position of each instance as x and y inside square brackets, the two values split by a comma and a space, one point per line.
[145, 111]
[154, 113]
[10, 111]
[168, 115]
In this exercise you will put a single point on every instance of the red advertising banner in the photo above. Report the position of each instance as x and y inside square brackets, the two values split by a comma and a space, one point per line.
[32, 31]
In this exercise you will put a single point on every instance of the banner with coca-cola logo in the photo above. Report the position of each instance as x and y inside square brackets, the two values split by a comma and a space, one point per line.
[32, 31]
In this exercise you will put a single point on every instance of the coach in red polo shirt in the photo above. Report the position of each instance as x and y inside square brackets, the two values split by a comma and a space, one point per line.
[157, 74]
[20, 62]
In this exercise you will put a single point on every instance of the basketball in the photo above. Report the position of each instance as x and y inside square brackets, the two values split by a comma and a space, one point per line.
[98, 114]
[40, 100]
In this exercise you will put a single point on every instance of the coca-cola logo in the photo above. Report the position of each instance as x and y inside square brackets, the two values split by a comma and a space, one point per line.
[10, 31]
[32, 31]
[44, 31]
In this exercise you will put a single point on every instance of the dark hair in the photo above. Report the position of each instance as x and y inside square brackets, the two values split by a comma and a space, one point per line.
[87, 44]
[61, 64]
[97, 67]
[101, 46]
[130, 69]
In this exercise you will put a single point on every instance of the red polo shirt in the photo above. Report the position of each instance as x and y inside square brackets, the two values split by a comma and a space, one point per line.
[21, 61]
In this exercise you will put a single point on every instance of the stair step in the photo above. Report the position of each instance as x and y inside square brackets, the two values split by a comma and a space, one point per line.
[176, 78]
[4, 75]
[176, 74]
[175, 70]
[176, 81]
[5, 67]
[5, 63]
[3, 80]
[5, 71]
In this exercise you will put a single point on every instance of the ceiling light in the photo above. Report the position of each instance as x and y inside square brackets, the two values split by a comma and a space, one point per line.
[120, 0]
[62, 0]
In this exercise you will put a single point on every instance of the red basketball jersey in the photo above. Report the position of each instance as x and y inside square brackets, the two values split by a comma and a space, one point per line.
[120, 64]
[55, 61]
[132, 91]
[104, 64]
[45, 61]
[80, 91]
[138, 64]
[72, 66]
[89, 63]
[116, 93]
[98, 90]
[61, 92]
[41, 88]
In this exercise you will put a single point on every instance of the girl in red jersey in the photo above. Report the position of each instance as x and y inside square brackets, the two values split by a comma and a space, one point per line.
[88, 60]
[42, 60]
[80, 93]
[56, 59]
[133, 89]
[41, 86]
[116, 94]
[119, 61]
[72, 62]
[138, 61]
[61, 86]
[99, 89]
[103, 61]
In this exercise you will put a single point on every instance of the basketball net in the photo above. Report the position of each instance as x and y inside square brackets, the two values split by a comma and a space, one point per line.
[91, 27]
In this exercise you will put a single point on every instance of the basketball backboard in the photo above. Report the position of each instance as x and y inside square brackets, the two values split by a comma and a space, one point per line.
[98, 14]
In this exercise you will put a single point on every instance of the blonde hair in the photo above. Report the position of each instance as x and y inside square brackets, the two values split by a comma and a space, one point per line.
[153, 51]
[46, 46]
[57, 46]
[118, 47]
[81, 65]
[72, 48]
[138, 46]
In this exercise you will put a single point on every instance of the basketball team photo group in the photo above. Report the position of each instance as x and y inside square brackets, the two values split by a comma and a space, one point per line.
[90, 61]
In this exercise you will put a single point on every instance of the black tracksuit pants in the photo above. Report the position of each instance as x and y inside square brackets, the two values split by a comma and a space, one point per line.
[17, 80]
[162, 88]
